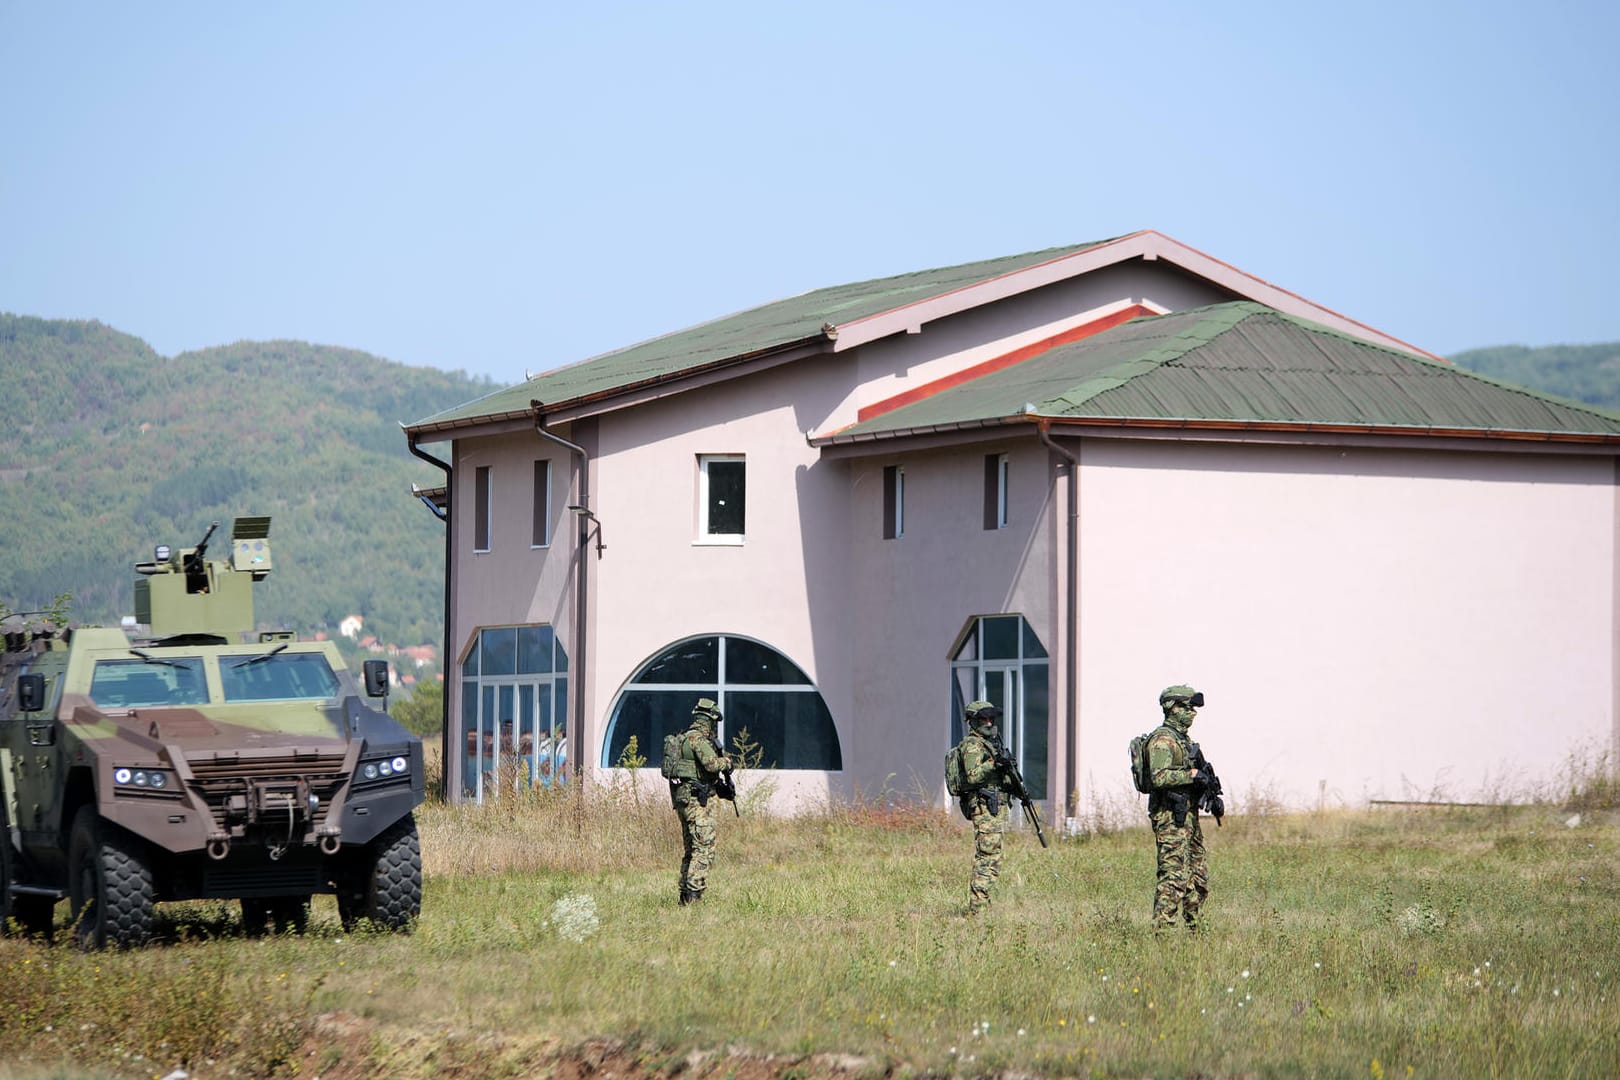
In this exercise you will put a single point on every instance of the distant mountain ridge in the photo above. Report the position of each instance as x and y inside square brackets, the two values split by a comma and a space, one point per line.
[109, 448]
[1589, 373]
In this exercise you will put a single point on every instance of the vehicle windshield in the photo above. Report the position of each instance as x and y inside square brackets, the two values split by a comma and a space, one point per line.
[277, 676]
[127, 684]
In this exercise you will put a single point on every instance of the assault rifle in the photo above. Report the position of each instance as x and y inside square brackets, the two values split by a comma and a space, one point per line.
[1019, 791]
[1208, 786]
[723, 784]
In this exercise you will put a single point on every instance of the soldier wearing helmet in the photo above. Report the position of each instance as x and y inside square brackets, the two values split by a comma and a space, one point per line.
[1173, 759]
[984, 798]
[698, 764]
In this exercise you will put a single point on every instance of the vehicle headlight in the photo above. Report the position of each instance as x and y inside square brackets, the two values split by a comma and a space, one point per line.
[369, 770]
[157, 779]
[399, 764]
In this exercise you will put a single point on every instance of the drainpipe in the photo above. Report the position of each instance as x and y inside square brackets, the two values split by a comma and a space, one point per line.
[1071, 617]
[582, 514]
[448, 760]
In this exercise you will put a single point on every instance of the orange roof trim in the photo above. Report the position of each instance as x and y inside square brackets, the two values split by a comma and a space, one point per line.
[1006, 360]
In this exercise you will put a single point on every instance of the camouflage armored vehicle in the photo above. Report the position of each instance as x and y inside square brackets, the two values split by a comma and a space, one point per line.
[188, 764]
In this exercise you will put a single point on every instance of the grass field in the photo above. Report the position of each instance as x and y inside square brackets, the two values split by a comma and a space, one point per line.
[1385, 943]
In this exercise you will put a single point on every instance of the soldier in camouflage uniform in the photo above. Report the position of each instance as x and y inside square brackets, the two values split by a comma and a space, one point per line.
[698, 765]
[1183, 874]
[985, 802]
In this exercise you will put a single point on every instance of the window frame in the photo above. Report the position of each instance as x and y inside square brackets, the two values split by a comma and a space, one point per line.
[541, 535]
[483, 508]
[704, 535]
[485, 694]
[726, 684]
[894, 502]
[996, 475]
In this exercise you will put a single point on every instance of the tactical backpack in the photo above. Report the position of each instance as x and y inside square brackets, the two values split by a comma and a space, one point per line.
[672, 755]
[955, 775]
[1141, 771]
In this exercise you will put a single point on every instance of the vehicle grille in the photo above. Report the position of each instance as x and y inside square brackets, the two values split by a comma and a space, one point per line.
[219, 780]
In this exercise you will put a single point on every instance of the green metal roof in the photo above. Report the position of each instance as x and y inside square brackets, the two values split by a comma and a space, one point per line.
[1245, 364]
[761, 330]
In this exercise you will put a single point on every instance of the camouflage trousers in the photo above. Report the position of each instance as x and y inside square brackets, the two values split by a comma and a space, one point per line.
[988, 830]
[697, 842]
[1183, 878]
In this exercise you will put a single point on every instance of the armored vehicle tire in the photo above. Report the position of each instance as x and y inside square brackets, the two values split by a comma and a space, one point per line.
[280, 914]
[31, 914]
[384, 884]
[109, 884]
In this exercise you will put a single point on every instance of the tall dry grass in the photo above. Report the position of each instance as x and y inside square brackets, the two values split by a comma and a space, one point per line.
[1415, 941]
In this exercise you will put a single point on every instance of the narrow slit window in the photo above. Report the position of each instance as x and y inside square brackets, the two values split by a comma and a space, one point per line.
[894, 501]
[542, 504]
[995, 491]
[481, 508]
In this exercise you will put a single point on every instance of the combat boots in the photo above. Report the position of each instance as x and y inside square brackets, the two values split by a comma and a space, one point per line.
[690, 896]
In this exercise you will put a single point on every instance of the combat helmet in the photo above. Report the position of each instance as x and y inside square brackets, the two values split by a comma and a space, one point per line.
[982, 712]
[1180, 694]
[706, 712]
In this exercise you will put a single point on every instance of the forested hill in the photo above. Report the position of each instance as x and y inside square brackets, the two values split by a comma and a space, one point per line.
[108, 448]
[1589, 373]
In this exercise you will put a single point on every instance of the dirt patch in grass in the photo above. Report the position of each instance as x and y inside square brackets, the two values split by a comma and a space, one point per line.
[344, 1046]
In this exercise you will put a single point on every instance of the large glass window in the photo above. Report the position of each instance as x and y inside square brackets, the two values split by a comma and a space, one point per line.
[758, 689]
[514, 710]
[1000, 659]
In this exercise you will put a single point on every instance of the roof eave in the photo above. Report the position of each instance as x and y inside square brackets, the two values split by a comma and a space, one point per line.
[626, 393]
[1171, 424]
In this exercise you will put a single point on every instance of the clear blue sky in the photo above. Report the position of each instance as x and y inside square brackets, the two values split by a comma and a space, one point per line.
[507, 187]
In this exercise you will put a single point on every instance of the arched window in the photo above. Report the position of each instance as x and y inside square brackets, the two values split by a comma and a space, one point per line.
[999, 659]
[514, 710]
[759, 690]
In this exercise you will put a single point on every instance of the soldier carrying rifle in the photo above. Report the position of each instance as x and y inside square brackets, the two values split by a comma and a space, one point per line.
[1180, 782]
[983, 776]
[698, 771]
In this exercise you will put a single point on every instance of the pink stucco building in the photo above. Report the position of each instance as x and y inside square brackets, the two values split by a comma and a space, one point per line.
[1062, 481]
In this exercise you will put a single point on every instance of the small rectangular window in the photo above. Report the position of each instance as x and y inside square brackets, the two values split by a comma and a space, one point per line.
[542, 504]
[722, 493]
[995, 491]
[481, 509]
[894, 501]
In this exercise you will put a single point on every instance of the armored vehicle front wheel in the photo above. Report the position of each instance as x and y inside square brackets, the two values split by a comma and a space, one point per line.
[384, 883]
[109, 883]
[30, 914]
[281, 914]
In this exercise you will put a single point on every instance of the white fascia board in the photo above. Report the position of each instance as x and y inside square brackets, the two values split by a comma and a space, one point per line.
[911, 317]
[1147, 245]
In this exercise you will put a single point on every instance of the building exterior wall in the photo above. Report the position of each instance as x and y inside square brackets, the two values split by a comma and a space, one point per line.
[1367, 624]
[660, 582]
[914, 594]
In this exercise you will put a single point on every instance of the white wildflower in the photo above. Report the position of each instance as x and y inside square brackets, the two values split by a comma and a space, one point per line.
[574, 917]
[1245, 973]
[1091, 1019]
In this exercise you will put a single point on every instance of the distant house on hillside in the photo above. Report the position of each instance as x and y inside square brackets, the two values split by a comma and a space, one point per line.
[1060, 481]
[350, 626]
